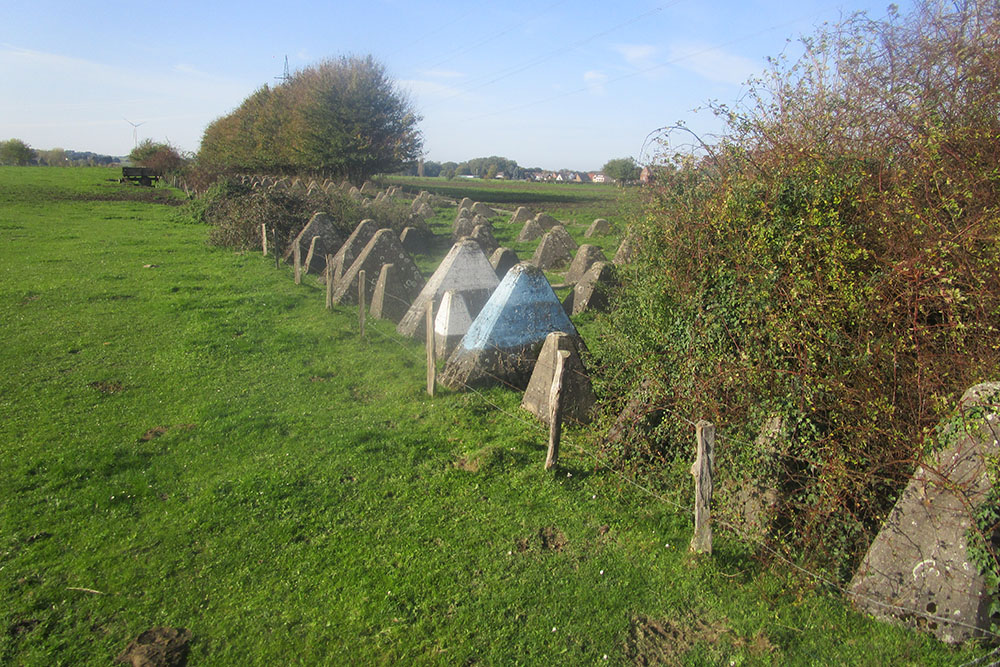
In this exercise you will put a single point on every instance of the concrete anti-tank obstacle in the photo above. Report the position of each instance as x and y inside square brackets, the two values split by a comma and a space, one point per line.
[546, 221]
[504, 340]
[626, 251]
[522, 214]
[918, 570]
[352, 247]
[599, 227]
[577, 393]
[390, 300]
[414, 241]
[483, 235]
[462, 228]
[320, 225]
[465, 269]
[586, 256]
[503, 260]
[466, 203]
[482, 209]
[384, 248]
[451, 323]
[593, 291]
[555, 250]
[531, 231]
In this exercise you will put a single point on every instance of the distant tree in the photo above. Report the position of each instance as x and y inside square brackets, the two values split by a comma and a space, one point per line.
[344, 116]
[432, 169]
[623, 170]
[16, 152]
[54, 157]
[161, 156]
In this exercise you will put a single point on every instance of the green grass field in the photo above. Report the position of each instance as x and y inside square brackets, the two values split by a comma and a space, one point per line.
[190, 439]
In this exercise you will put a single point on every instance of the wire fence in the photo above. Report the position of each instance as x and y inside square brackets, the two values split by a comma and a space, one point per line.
[736, 532]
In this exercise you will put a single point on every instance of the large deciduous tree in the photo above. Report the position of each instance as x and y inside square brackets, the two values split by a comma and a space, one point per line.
[623, 170]
[344, 116]
[16, 152]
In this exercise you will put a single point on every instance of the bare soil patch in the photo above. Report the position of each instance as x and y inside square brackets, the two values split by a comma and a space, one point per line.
[157, 647]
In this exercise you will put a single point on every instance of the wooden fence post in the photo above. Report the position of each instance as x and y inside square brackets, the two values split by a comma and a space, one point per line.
[329, 282]
[361, 301]
[703, 469]
[555, 410]
[263, 238]
[431, 356]
[274, 242]
[297, 253]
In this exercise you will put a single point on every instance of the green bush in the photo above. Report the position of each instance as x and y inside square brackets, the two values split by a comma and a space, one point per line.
[834, 260]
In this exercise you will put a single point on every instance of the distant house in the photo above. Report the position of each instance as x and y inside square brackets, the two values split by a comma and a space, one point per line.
[598, 177]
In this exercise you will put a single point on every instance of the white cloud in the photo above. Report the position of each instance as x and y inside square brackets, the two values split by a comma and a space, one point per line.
[637, 55]
[433, 91]
[595, 81]
[713, 63]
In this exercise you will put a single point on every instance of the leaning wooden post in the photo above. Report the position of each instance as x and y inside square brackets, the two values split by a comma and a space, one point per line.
[329, 282]
[263, 238]
[361, 301]
[555, 410]
[274, 242]
[431, 357]
[297, 253]
[703, 469]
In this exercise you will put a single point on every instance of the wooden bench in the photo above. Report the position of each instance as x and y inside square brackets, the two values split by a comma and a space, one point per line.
[140, 175]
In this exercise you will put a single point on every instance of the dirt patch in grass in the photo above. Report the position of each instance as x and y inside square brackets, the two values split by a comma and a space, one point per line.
[107, 386]
[22, 627]
[145, 195]
[157, 431]
[652, 642]
[158, 647]
[548, 538]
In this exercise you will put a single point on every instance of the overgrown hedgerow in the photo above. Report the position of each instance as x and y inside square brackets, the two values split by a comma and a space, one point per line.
[236, 211]
[835, 261]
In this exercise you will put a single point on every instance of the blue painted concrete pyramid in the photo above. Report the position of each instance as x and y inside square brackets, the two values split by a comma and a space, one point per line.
[503, 342]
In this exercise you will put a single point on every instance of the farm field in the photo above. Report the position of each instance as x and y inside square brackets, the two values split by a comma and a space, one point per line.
[191, 440]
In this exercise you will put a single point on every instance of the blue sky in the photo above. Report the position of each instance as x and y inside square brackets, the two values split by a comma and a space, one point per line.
[552, 84]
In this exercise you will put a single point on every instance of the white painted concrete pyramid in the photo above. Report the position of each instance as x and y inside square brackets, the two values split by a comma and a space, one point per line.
[504, 340]
[464, 269]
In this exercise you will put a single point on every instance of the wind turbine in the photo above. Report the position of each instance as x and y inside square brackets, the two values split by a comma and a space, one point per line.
[135, 129]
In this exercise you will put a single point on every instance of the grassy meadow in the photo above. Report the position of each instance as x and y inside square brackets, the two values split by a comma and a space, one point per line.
[190, 439]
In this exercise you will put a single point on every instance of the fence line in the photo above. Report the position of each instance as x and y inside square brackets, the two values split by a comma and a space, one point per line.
[736, 532]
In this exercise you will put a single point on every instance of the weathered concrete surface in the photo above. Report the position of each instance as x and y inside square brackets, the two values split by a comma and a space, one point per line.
[482, 209]
[555, 250]
[466, 203]
[504, 340]
[451, 323]
[546, 221]
[390, 299]
[503, 260]
[599, 227]
[465, 269]
[368, 188]
[425, 211]
[384, 248]
[626, 251]
[585, 257]
[577, 393]
[323, 226]
[919, 560]
[522, 214]
[483, 235]
[462, 228]
[592, 292]
[414, 241]
[352, 247]
[531, 231]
